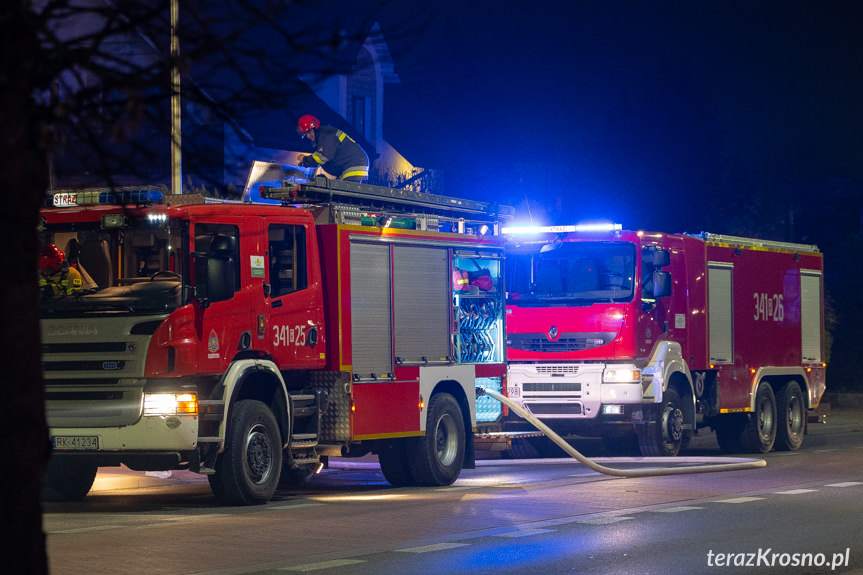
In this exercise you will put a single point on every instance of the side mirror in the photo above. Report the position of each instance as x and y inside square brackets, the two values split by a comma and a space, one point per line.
[661, 258]
[201, 286]
[661, 283]
[214, 275]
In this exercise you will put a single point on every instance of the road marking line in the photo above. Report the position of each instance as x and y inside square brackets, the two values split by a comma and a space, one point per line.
[826, 450]
[845, 484]
[795, 491]
[323, 565]
[293, 506]
[740, 500]
[524, 532]
[86, 529]
[604, 520]
[678, 509]
[434, 547]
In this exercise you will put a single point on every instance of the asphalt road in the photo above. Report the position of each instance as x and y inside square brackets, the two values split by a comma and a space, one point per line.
[803, 513]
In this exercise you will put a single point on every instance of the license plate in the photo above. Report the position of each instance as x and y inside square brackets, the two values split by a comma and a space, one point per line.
[75, 442]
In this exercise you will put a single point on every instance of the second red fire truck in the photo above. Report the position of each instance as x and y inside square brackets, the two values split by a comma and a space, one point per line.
[642, 338]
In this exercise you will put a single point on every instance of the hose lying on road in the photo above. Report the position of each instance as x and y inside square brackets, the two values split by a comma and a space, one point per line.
[736, 466]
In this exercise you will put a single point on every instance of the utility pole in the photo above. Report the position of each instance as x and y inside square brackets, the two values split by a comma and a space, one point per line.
[176, 125]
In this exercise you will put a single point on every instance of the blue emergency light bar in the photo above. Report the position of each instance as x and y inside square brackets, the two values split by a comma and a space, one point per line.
[532, 230]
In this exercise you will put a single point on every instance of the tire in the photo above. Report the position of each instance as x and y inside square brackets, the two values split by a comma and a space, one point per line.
[395, 465]
[67, 479]
[663, 434]
[729, 430]
[296, 475]
[247, 472]
[759, 434]
[438, 456]
[626, 444]
[521, 448]
[790, 417]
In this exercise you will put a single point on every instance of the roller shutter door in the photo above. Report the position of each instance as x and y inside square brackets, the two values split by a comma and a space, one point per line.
[371, 321]
[421, 302]
[720, 315]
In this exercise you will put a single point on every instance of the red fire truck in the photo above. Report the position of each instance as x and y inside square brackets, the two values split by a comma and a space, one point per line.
[643, 338]
[249, 342]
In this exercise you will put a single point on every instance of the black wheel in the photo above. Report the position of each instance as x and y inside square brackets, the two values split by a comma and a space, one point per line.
[546, 448]
[297, 475]
[760, 431]
[790, 417]
[729, 430]
[621, 444]
[438, 456]
[67, 479]
[521, 448]
[247, 472]
[663, 434]
[395, 465]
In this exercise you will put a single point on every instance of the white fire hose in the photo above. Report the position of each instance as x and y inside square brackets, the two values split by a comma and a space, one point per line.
[738, 463]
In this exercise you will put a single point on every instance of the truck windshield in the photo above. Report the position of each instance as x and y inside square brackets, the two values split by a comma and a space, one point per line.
[570, 273]
[140, 267]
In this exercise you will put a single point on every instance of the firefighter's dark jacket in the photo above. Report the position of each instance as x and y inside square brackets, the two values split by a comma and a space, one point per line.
[338, 154]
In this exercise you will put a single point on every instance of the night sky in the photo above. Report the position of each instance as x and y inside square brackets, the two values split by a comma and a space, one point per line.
[650, 114]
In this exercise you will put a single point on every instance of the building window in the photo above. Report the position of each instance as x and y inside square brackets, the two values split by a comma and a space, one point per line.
[359, 119]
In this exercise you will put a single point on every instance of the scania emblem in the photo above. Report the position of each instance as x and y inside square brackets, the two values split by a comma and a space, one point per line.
[552, 333]
[110, 365]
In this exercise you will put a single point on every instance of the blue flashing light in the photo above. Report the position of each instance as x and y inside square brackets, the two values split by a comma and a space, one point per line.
[93, 197]
[534, 230]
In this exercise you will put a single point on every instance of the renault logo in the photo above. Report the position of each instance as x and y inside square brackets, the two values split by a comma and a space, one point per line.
[552, 333]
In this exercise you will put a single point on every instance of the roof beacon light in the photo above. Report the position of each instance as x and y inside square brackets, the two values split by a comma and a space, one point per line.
[532, 230]
[121, 196]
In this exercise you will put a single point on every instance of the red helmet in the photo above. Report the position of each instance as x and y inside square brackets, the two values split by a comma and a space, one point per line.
[306, 123]
[51, 257]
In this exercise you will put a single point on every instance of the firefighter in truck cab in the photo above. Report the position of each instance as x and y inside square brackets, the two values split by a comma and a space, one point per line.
[56, 277]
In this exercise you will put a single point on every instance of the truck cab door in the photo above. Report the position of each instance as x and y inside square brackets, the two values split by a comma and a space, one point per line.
[225, 317]
[294, 322]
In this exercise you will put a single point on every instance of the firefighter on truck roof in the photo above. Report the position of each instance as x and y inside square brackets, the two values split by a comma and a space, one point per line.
[56, 277]
[336, 152]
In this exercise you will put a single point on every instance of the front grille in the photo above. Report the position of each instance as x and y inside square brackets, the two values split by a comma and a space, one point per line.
[554, 408]
[84, 395]
[539, 342]
[98, 347]
[557, 368]
[84, 365]
[81, 382]
[551, 386]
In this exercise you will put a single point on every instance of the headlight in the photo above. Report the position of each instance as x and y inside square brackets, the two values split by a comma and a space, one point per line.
[170, 404]
[621, 375]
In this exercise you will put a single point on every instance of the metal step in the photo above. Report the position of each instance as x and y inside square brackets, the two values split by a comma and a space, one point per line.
[304, 444]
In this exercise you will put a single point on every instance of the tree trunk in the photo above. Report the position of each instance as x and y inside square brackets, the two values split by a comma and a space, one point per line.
[23, 172]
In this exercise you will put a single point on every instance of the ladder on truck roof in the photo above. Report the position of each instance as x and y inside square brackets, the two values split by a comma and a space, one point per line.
[755, 243]
[350, 202]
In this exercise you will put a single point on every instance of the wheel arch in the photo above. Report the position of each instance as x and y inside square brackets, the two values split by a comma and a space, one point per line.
[259, 380]
[776, 377]
[455, 389]
[668, 361]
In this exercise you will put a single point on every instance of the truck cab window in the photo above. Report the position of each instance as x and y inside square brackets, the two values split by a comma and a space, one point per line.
[287, 256]
[219, 245]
